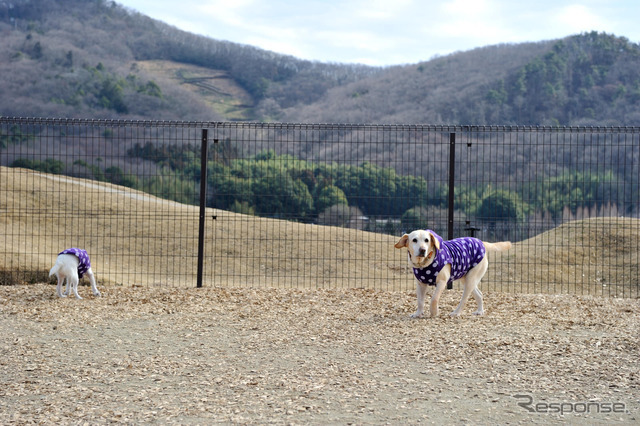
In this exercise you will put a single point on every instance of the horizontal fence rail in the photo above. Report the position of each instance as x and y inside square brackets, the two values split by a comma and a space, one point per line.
[318, 205]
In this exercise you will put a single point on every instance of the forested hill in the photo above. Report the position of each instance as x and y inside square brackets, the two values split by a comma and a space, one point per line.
[95, 58]
[587, 79]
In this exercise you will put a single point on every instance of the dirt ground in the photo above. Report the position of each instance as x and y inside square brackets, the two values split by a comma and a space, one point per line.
[288, 356]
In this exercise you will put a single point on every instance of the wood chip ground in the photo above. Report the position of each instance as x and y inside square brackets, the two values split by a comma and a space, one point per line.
[287, 356]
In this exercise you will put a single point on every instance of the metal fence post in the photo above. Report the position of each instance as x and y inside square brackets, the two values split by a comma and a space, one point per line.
[452, 167]
[203, 202]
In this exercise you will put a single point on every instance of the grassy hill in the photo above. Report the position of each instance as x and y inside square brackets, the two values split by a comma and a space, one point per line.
[138, 239]
[216, 88]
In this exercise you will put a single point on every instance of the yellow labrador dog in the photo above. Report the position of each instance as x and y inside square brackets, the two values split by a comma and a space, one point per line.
[437, 262]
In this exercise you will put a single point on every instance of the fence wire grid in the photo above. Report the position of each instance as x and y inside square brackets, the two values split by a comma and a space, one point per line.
[318, 205]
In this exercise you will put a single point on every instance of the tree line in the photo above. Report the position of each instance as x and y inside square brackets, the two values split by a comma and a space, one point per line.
[282, 186]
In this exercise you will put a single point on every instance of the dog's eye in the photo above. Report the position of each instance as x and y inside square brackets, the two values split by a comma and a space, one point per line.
[415, 240]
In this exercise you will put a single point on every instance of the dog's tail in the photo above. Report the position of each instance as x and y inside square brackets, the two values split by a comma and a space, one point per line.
[501, 246]
[55, 269]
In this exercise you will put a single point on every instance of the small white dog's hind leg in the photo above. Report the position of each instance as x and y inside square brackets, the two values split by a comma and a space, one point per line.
[73, 279]
[68, 286]
[59, 287]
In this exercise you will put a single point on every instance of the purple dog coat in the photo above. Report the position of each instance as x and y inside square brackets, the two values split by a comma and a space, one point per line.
[82, 256]
[462, 253]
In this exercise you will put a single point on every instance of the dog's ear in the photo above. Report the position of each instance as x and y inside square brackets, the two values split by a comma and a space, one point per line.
[402, 242]
[436, 241]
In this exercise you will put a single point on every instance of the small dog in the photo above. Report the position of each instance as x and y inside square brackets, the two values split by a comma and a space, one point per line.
[71, 265]
[437, 262]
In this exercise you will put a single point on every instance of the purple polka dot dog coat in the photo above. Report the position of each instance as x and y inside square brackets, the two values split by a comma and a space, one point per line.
[82, 256]
[461, 253]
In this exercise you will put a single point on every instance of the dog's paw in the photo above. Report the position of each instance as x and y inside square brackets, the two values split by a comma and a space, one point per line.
[454, 314]
[479, 313]
[416, 315]
[97, 294]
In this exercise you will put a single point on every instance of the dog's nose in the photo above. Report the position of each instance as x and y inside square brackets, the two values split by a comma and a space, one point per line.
[422, 252]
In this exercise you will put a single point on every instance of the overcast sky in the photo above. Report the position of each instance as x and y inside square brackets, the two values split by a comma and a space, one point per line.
[390, 32]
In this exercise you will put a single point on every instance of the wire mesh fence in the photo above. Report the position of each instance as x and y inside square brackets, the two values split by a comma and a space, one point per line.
[302, 205]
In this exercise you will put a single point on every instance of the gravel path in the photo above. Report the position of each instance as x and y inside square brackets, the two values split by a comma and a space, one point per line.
[171, 356]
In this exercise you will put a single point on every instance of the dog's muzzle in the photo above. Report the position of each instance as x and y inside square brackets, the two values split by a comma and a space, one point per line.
[422, 255]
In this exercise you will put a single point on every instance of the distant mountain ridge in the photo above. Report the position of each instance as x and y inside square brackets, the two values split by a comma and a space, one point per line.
[587, 79]
[95, 58]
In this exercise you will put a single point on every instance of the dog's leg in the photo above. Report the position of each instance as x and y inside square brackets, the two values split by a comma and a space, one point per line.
[59, 287]
[466, 292]
[74, 285]
[75, 290]
[477, 294]
[436, 298]
[471, 282]
[441, 283]
[92, 279]
[421, 291]
[67, 287]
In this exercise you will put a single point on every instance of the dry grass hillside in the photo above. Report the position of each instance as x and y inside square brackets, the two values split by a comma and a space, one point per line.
[215, 87]
[599, 256]
[137, 239]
